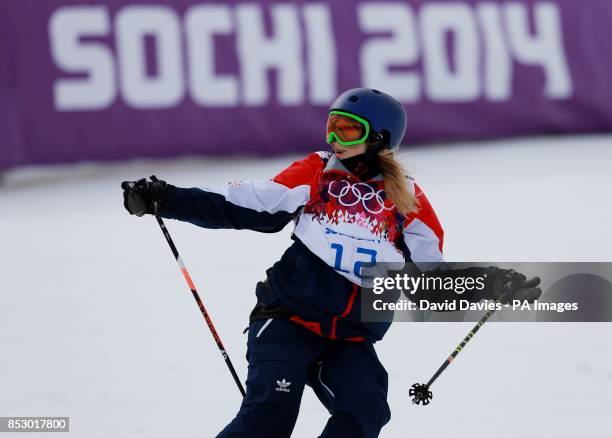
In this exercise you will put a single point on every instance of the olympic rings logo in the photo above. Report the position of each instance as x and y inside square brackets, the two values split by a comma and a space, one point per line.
[349, 195]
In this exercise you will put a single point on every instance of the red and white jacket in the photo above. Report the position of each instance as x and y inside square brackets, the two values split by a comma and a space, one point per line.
[340, 224]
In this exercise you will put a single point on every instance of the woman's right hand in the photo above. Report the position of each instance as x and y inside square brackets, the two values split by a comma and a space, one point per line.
[144, 197]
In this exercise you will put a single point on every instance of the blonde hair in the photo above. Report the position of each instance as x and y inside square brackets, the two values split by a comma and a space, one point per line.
[396, 183]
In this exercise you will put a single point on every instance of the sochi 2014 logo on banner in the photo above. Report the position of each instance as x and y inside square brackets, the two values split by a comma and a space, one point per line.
[219, 55]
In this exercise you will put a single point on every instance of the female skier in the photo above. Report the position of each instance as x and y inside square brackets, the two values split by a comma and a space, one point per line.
[352, 205]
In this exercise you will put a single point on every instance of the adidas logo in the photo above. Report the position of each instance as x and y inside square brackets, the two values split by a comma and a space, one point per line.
[283, 386]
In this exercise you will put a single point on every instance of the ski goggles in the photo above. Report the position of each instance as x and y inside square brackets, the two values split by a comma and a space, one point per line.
[347, 129]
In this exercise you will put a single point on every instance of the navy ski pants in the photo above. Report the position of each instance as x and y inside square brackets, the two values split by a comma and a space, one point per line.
[283, 357]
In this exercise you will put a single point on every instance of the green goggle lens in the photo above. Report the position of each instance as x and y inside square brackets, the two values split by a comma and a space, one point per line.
[347, 129]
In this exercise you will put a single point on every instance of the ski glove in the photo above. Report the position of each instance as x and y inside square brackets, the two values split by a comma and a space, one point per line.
[144, 197]
[507, 285]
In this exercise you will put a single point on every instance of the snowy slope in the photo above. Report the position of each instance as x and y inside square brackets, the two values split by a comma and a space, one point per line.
[97, 324]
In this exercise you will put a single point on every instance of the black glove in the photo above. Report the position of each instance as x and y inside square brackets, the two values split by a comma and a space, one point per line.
[144, 197]
[507, 285]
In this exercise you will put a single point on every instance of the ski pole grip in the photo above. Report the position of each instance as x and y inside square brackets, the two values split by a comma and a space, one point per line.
[532, 282]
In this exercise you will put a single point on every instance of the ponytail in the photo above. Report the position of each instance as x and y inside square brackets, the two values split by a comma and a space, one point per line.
[396, 184]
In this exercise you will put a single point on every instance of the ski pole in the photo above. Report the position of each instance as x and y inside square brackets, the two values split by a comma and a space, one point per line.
[420, 392]
[196, 296]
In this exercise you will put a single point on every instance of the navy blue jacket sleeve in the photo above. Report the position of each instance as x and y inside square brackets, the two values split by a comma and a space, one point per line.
[263, 206]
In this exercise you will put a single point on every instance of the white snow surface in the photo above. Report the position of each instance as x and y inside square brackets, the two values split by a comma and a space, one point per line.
[97, 323]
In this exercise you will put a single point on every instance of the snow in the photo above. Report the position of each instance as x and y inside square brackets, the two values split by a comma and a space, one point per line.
[96, 322]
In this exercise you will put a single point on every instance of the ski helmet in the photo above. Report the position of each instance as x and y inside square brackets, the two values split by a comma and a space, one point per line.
[385, 115]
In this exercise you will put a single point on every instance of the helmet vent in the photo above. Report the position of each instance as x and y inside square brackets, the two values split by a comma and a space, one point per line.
[376, 92]
[353, 99]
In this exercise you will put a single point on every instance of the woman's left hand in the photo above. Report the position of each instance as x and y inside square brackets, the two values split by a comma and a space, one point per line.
[507, 285]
